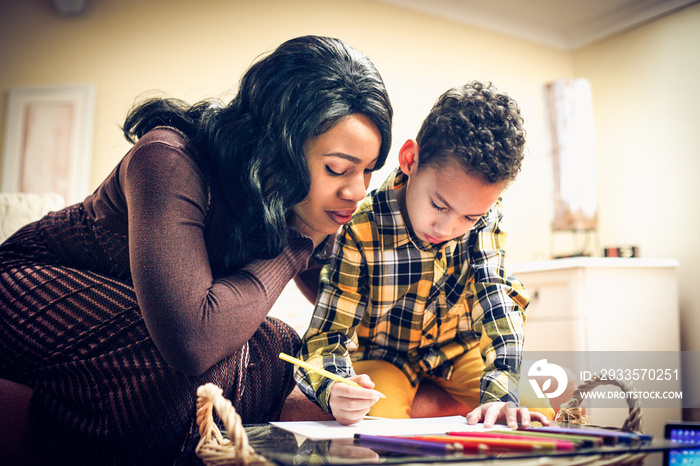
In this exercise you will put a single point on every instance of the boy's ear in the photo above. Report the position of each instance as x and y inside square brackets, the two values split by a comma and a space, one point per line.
[408, 157]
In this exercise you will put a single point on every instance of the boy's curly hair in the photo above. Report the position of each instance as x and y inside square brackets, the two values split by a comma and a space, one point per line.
[480, 127]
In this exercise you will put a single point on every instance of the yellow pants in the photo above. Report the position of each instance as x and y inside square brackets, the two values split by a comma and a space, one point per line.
[464, 386]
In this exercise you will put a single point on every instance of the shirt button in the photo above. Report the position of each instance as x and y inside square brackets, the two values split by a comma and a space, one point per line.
[429, 337]
[439, 255]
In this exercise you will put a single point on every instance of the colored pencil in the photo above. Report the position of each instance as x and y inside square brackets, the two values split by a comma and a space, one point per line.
[583, 441]
[564, 445]
[406, 445]
[495, 443]
[610, 437]
[322, 372]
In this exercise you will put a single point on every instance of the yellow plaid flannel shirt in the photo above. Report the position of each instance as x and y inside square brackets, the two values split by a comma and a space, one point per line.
[384, 295]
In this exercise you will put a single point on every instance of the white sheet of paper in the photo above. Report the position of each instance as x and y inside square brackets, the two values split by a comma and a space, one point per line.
[323, 430]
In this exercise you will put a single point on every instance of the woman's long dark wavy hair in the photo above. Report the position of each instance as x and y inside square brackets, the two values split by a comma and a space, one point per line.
[253, 148]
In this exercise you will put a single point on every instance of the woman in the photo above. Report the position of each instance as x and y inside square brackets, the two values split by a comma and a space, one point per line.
[116, 309]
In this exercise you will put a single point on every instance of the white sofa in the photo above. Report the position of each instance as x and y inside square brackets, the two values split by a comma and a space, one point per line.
[18, 209]
[20, 437]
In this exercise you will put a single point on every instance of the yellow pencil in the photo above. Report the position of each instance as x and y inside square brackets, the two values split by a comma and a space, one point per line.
[320, 371]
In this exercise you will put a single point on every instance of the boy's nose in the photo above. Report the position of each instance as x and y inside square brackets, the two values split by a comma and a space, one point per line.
[444, 228]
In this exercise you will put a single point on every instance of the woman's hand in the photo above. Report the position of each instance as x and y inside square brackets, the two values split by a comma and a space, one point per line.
[489, 413]
[296, 223]
[350, 404]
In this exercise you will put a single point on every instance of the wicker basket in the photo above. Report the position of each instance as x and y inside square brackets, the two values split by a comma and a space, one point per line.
[213, 448]
[216, 450]
[571, 413]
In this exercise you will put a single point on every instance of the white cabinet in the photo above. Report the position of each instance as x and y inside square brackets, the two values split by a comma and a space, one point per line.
[620, 307]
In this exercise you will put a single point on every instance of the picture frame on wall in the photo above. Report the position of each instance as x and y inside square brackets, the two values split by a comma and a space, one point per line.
[572, 132]
[48, 140]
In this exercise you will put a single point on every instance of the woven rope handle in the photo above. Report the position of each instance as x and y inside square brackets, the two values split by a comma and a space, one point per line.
[571, 411]
[213, 448]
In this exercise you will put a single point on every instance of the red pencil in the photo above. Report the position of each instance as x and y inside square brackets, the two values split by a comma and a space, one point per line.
[491, 443]
[467, 447]
[565, 445]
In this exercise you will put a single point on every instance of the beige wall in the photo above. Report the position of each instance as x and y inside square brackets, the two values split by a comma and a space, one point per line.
[644, 88]
[646, 103]
[199, 49]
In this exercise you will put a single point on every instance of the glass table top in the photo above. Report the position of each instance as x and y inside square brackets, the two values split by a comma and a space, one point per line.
[285, 448]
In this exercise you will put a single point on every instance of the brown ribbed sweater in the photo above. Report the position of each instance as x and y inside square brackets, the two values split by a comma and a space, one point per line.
[158, 196]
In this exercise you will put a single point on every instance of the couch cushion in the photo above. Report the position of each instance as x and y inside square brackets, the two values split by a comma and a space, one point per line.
[18, 209]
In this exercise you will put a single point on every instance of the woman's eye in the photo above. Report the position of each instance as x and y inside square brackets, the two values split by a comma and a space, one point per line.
[332, 172]
[437, 207]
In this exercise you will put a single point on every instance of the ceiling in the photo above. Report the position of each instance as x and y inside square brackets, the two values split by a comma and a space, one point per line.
[562, 24]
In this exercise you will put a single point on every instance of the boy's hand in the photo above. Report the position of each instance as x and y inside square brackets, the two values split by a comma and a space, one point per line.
[489, 413]
[350, 404]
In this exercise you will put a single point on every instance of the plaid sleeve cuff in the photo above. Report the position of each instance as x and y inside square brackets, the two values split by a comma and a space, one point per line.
[500, 386]
[316, 387]
[323, 397]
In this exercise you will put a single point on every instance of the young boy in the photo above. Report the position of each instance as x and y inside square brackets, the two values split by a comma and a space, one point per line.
[417, 286]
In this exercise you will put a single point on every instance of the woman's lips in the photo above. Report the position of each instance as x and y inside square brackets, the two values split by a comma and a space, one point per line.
[340, 217]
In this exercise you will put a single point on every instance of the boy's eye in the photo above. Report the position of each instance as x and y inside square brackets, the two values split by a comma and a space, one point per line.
[332, 172]
[437, 207]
